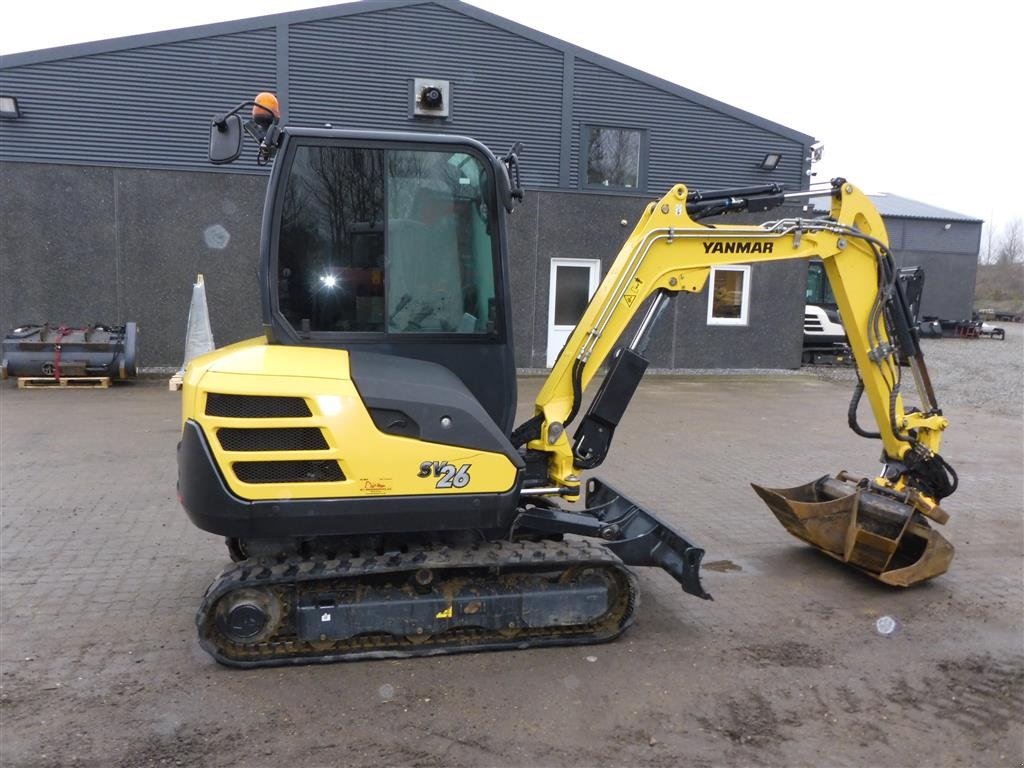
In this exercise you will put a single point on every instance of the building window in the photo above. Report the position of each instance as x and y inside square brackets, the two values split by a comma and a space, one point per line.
[613, 157]
[729, 299]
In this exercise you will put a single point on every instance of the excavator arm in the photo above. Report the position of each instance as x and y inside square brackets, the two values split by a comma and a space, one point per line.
[669, 252]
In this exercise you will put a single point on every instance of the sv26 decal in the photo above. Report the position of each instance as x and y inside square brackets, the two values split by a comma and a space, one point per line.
[448, 476]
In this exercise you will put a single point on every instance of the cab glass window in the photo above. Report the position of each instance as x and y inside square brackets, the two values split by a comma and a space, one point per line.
[818, 289]
[386, 241]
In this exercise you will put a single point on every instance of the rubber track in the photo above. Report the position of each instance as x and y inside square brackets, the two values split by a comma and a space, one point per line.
[283, 647]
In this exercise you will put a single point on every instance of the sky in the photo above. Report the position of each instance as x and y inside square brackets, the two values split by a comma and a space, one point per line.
[919, 99]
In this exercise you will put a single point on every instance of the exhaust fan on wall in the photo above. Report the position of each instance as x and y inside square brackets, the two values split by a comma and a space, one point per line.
[431, 98]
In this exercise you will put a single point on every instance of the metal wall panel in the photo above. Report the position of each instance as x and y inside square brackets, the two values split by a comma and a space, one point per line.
[357, 71]
[949, 257]
[930, 235]
[896, 229]
[949, 280]
[688, 142]
[145, 106]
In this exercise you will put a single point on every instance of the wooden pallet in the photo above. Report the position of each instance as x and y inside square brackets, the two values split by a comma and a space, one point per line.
[174, 383]
[65, 382]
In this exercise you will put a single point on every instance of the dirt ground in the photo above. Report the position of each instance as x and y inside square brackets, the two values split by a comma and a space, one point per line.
[102, 572]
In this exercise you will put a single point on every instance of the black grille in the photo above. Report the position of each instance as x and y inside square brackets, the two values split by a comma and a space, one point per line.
[255, 406]
[286, 439]
[288, 471]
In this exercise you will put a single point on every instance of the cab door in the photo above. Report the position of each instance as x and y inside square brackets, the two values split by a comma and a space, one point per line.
[393, 244]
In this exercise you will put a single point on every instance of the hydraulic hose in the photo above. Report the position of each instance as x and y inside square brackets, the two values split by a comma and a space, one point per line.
[851, 415]
[577, 391]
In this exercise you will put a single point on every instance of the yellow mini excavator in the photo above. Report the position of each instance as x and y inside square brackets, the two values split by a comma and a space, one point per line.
[360, 459]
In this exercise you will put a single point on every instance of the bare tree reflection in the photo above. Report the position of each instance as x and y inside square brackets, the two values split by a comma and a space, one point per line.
[613, 157]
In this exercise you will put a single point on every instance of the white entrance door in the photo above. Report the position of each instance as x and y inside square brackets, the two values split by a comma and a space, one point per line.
[573, 282]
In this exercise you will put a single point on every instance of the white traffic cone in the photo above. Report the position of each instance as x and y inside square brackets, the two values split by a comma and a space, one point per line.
[198, 335]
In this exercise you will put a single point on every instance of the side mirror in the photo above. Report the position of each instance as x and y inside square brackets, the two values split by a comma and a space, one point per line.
[510, 186]
[225, 139]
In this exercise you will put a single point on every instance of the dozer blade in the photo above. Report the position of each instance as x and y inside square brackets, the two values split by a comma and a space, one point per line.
[873, 532]
[644, 539]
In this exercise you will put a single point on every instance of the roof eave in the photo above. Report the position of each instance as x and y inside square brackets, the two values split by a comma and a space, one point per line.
[368, 6]
[624, 69]
[145, 39]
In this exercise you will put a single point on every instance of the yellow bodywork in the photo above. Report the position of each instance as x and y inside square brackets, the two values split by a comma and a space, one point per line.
[373, 463]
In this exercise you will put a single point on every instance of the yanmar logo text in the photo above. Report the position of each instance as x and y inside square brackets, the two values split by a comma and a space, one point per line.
[744, 246]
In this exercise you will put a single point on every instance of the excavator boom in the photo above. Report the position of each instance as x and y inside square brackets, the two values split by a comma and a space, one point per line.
[875, 524]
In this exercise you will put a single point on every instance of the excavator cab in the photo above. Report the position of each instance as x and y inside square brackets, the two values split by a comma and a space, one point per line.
[392, 243]
[396, 246]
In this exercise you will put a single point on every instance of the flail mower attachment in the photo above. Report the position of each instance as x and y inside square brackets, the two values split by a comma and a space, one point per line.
[881, 533]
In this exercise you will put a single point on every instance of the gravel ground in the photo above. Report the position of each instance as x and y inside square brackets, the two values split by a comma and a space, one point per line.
[984, 373]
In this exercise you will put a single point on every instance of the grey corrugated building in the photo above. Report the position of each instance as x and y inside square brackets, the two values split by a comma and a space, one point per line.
[109, 208]
[944, 243]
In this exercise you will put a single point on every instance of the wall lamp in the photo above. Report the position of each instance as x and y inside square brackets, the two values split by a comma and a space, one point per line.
[9, 108]
[771, 161]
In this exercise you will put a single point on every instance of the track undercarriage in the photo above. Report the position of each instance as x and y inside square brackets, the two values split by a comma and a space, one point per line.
[416, 601]
[342, 598]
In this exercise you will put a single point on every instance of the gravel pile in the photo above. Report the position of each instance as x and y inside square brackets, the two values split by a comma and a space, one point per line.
[985, 373]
